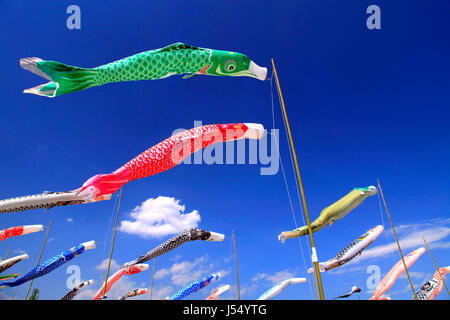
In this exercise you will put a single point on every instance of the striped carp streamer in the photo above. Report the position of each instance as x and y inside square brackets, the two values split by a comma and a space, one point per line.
[332, 213]
[52, 264]
[187, 235]
[351, 251]
[355, 289]
[194, 287]
[8, 263]
[277, 289]
[399, 268]
[161, 157]
[72, 293]
[134, 293]
[218, 292]
[177, 58]
[7, 277]
[116, 276]
[20, 230]
[432, 288]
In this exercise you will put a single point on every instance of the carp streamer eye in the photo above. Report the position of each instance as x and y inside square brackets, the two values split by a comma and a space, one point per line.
[230, 66]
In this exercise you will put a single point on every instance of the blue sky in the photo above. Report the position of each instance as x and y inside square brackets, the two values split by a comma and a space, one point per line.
[362, 104]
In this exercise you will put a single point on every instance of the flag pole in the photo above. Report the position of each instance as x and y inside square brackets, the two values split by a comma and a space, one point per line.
[308, 221]
[40, 255]
[396, 240]
[437, 268]
[153, 274]
[112, 245]
[237, 272]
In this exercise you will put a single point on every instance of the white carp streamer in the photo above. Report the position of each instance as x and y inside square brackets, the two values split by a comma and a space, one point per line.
[276, 290]
[8, 263]
[351, 251]
[134, 293]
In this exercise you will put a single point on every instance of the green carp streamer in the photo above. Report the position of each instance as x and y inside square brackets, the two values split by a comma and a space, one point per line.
[178, 58]
[332, 213]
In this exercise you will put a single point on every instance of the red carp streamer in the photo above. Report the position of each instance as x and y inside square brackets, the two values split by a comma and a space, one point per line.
[116, 276]
[167, 154]
[20, 230]
[161, 157]
[390, 278]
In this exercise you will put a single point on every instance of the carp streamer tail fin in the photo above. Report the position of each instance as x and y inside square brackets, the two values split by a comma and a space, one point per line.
[63, 78]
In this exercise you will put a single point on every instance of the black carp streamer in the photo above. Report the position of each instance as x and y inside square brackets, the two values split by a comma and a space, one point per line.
[176, 241]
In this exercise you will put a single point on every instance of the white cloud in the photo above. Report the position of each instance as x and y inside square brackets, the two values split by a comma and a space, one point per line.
[161, 293]
[160, 274]
[184, 272]
[178, 275]
[4, 296]
[159, 217]
[249, 290]
[70, 220]
[275, 278]
[103, 266]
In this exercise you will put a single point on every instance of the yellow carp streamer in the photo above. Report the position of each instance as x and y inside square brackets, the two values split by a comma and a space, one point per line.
[332, 213]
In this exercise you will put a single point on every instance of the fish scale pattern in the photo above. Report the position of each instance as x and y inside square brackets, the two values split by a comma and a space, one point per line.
[72, 293]
[48, 266]
[394, 273]
[432, 288]
[154, 64]
[170, 152]
[165, 247]
[193, 287]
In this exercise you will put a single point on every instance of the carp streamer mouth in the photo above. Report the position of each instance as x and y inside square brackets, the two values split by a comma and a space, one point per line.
[254, 71]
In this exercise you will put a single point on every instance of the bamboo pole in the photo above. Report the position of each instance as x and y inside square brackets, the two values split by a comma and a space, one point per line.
[237, 272]
[7, 255]
[14, 293]
[396, 240]
[153, 274]
[437, 268]
[40, 255]
[308, 221]
[112, 245]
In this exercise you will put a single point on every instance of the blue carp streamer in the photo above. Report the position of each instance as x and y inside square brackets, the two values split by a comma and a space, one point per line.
[52, 264]
[194, 287]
